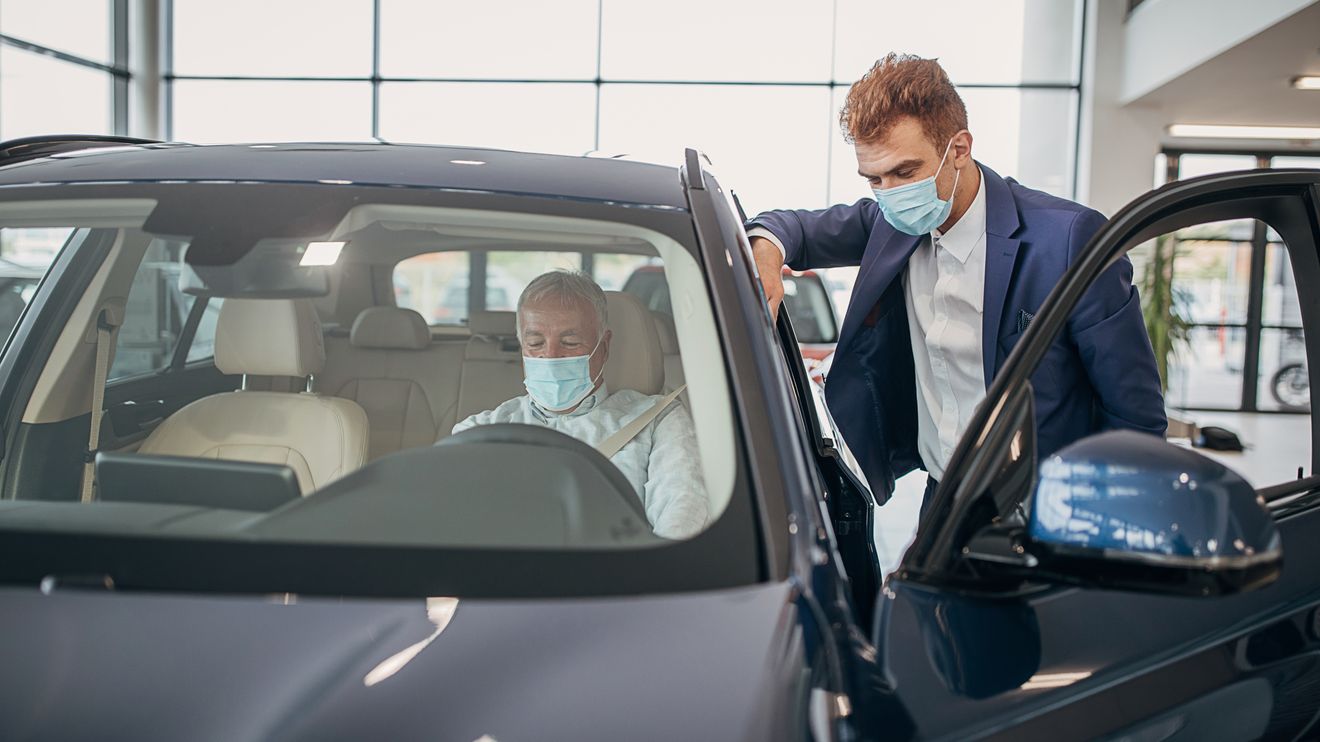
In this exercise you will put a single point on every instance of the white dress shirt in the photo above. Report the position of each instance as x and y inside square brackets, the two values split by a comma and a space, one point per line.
[944, 287]
[662, 462]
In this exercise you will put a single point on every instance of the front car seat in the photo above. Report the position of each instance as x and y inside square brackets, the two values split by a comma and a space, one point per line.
[320, 438]
[636, 359]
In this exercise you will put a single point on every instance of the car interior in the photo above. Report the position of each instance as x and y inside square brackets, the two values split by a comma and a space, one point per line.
[346, 372]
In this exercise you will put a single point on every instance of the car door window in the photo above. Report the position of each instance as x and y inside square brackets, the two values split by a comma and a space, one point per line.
[25, 255]
[155, 315]
[813, 316]
[1225, 321]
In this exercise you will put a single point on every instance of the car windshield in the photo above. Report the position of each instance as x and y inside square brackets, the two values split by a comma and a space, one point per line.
[346, 367]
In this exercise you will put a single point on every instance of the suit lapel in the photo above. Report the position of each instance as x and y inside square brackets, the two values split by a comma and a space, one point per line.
[879, 269]
[1001, 251]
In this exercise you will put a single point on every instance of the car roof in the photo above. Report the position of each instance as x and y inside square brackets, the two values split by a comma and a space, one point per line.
[395, 165]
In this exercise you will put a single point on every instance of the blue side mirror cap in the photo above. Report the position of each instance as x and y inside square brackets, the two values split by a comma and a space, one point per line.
[1126, 509]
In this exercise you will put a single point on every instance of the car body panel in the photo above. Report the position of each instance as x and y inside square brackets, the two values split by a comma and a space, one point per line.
[704, 665]
[1070, 663]
[398, 166]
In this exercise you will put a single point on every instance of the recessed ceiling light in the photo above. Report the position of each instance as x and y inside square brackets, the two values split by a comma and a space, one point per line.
[1211, 131]
[321, 253]
[468, 162]
[1307, 82]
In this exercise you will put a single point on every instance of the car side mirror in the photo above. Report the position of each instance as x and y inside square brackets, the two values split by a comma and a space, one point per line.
[1126, 510]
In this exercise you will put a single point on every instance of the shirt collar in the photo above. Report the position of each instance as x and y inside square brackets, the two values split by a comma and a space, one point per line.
[592, 401]
[963, 237]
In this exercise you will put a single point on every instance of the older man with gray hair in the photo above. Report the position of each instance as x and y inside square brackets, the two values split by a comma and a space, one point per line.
[565, 344]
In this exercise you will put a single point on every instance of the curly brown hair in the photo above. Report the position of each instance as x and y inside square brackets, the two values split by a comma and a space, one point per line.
[903, 85]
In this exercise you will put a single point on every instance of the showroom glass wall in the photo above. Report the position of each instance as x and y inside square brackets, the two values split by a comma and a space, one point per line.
[63, 70]
[1234, 287]
[756, 84]
[63, 67]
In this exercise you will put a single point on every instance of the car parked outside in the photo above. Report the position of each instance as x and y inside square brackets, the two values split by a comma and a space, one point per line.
[301, 560]
[805, 298]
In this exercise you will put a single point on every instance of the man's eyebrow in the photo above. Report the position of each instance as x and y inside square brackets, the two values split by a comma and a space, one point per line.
[904, 165]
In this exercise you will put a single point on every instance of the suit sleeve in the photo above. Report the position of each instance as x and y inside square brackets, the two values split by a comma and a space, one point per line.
[822, 238]
[1109, 333]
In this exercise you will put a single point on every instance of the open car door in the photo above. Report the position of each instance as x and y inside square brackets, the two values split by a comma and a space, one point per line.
[1124, 586]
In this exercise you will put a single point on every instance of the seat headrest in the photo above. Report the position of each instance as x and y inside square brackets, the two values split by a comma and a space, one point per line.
[636, 360]
[493, 323]
[269, 337]
[390, 328]
[664, 325]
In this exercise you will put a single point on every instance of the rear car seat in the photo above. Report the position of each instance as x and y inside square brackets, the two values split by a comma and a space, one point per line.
[492, 364]
[664, 325]
[385, 366]
[320, 438]
[407, 384]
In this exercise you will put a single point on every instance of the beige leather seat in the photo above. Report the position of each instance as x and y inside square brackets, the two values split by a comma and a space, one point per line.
[664, 325]
[636, 358]
[492, 363]
[407, 384]
[320, 438]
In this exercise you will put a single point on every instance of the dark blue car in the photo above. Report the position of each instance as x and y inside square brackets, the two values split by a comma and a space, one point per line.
[258, 525]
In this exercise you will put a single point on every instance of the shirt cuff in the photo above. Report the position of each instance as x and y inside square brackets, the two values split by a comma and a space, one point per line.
[763, 232]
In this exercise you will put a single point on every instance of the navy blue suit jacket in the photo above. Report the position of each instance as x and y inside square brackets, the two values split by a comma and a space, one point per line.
[1099, 374]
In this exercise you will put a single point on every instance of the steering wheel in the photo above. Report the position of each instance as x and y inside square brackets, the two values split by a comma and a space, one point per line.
[541, 437]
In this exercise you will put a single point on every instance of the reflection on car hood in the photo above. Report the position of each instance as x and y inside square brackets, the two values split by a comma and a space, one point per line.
[132, 666]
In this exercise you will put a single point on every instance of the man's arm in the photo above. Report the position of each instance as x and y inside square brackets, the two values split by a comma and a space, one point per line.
[821, 238]
[676, 501]
[808, 238]
[1110, 335]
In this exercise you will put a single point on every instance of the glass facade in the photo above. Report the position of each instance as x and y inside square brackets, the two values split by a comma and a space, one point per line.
[59, 76]
[756, 84]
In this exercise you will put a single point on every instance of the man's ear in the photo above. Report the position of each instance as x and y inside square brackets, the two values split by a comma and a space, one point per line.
[962, 147]
[605, 342]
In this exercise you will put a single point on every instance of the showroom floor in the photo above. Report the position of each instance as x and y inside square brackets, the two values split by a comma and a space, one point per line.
[1276, 445]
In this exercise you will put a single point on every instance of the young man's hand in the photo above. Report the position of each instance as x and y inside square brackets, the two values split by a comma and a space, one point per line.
[770, 264]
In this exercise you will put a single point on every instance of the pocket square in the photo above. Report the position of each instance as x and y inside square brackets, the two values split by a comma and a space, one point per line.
[1024, 319]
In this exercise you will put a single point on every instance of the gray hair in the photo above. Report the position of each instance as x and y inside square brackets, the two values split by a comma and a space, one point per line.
[567, 287]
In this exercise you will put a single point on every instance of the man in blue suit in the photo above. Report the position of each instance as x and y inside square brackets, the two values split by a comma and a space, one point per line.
[954, 263]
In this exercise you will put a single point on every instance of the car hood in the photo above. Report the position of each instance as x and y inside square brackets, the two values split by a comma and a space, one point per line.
[86, 665]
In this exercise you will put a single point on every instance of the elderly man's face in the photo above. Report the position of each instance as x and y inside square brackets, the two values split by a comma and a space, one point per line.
[557, 328]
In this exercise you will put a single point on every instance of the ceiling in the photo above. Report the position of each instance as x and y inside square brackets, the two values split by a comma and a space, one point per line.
[1250, 83]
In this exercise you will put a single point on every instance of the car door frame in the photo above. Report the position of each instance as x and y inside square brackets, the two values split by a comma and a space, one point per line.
[849, 694]
[1199, 647]
[973, 466]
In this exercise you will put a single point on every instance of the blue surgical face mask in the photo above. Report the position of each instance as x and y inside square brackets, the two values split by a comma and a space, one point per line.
[916, 208]
[559, 384]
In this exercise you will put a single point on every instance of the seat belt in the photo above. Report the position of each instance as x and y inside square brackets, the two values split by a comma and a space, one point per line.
[107, 322]
[622, 436]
